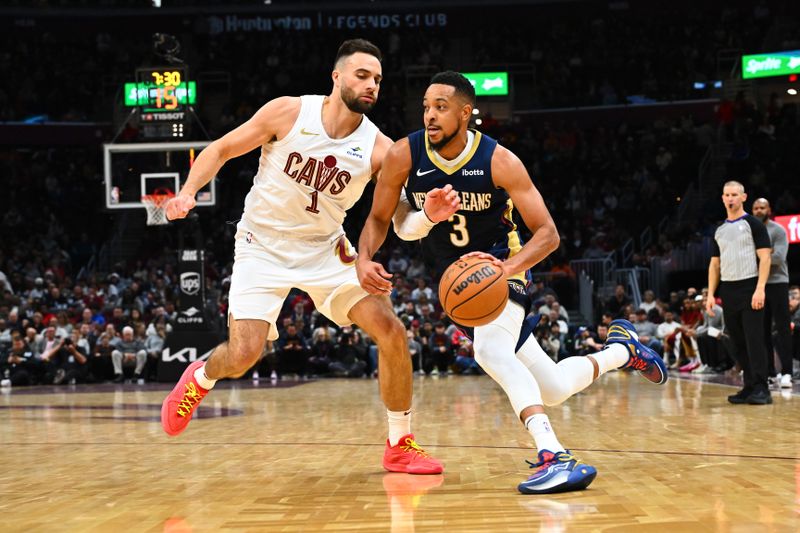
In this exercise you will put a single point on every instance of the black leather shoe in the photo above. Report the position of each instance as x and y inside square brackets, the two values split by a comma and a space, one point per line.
[760, 396]
[741, 396]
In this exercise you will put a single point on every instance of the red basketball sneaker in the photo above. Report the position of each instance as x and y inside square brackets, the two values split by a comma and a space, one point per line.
[407, 457]
[178, 406]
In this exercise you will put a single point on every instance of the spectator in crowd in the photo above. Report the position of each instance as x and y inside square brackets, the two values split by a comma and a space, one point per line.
[415, 350]
[547, 335]
[646, 330]
[686, 340]
[100, 363]
[648, 301]
[666, 333]
[292, 352]
[35, 341]
[130, 352]
[18, 364]
[349, 361]
[616, 304]
[441, 350]
[154, 346]
[322, 352]
[712, 340]
[69, 362]
[587, 342]
[465, 362]
[421, 289]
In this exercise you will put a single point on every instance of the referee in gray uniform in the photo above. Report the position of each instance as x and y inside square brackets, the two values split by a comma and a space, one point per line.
[740, 267]
[777, 292]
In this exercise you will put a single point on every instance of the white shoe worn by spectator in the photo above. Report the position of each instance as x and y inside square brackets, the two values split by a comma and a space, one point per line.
[786, 381]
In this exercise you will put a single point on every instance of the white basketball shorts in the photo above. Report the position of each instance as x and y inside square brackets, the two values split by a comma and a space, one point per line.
[266, 268]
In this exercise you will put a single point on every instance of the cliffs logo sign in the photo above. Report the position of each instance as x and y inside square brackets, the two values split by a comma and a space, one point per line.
[190, 283]
[474, 278]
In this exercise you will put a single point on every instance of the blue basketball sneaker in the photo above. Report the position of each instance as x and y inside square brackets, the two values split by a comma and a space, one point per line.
[644, 359]
[557, 472]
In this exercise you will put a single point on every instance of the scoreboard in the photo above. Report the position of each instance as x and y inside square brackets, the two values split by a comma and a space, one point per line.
[162, 96]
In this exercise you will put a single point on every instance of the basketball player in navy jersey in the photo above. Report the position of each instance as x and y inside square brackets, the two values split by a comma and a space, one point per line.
[317, 155]
[461, 188]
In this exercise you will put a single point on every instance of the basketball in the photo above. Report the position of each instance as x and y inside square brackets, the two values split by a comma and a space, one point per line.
[473, 291]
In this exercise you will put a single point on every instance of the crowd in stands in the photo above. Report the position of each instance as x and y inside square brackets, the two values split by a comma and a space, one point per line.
[54, 329]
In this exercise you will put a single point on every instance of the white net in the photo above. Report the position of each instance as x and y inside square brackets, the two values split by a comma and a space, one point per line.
[156, 205]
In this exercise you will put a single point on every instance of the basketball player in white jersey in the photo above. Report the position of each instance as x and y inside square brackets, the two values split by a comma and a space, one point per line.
[317, 155]
[447, 161]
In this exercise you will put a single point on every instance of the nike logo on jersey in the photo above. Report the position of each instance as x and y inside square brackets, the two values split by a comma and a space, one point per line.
[420, 173]
[303, 131]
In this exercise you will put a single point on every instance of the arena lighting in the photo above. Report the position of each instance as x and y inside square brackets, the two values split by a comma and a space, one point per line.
[793, 78]
[791, 223]
[478, 122]
[771, 64]
[476, 111]
[793, 92]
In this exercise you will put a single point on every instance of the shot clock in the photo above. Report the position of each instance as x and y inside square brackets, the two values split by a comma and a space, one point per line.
[161, 96]
[160, 89]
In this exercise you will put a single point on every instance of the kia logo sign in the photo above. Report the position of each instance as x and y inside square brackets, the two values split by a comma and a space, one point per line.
[190, 283]
[791, 223]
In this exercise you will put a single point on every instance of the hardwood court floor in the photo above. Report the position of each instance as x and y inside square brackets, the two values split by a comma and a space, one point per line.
[307, 458]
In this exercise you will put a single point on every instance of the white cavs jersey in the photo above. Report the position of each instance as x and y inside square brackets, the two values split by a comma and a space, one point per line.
[306, 181]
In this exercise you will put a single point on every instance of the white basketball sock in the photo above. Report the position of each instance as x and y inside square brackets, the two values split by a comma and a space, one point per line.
[611, 357]
[203, 380]
[399, 425]
[539, 427]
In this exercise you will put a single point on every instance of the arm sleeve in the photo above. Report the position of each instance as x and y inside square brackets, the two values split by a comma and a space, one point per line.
[410, 224]
[780, 246]
[714, 247]
[760, 233]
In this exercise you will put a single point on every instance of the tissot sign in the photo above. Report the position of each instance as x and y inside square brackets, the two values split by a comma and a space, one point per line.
[791, 223]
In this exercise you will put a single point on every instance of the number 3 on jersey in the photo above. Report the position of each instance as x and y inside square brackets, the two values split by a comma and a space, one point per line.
[459, 236]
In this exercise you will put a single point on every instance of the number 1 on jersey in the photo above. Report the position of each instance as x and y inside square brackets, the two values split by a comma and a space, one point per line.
[459, 237]
[313, 206]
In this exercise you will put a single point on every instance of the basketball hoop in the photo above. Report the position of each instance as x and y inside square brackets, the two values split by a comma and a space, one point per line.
[156, 204]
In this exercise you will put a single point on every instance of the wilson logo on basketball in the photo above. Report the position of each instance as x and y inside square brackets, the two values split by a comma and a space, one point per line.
[476, 277]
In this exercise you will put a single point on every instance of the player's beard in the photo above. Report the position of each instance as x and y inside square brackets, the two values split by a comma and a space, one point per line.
[445, 139]
[352, 102]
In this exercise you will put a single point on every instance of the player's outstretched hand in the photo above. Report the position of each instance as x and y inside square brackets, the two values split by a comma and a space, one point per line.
[180, 206]
[373, 277]
[441, 204]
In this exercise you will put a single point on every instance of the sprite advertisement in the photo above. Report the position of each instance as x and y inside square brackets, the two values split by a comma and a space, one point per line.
[774, 64]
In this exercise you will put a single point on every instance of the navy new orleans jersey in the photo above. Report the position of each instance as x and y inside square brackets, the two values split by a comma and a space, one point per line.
[484, 223]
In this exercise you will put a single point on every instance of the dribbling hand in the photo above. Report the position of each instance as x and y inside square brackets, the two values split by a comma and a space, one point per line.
[180, 206]
[489, 257]
[373, 277]
[441, 204]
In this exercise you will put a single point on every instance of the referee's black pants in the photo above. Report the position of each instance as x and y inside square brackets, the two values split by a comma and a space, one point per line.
[745, 325]
[776, 311]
